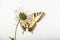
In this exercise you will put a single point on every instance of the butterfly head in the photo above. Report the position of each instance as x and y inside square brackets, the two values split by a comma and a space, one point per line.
[22, 16]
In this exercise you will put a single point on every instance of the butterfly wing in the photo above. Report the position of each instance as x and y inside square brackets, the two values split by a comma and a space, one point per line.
[36, 17]
[23, 25]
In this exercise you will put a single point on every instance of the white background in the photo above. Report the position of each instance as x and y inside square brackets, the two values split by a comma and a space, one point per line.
[47, 29]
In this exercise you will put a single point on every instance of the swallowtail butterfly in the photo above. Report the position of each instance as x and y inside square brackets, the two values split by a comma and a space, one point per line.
[29, 21]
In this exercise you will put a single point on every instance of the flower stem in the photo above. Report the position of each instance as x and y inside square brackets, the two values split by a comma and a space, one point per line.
[16, 29]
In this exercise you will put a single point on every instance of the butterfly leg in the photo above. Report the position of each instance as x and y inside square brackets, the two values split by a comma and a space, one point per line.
[32, 32]
[23, 32]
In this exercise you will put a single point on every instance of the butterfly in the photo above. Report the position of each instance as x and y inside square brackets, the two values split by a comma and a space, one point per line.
[29, 21]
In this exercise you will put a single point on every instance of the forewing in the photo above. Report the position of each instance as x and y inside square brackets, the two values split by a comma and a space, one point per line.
[36, 17]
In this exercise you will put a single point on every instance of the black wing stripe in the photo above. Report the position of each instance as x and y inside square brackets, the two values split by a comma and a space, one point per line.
[34, 15]
[43, 14]
[37, 14]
